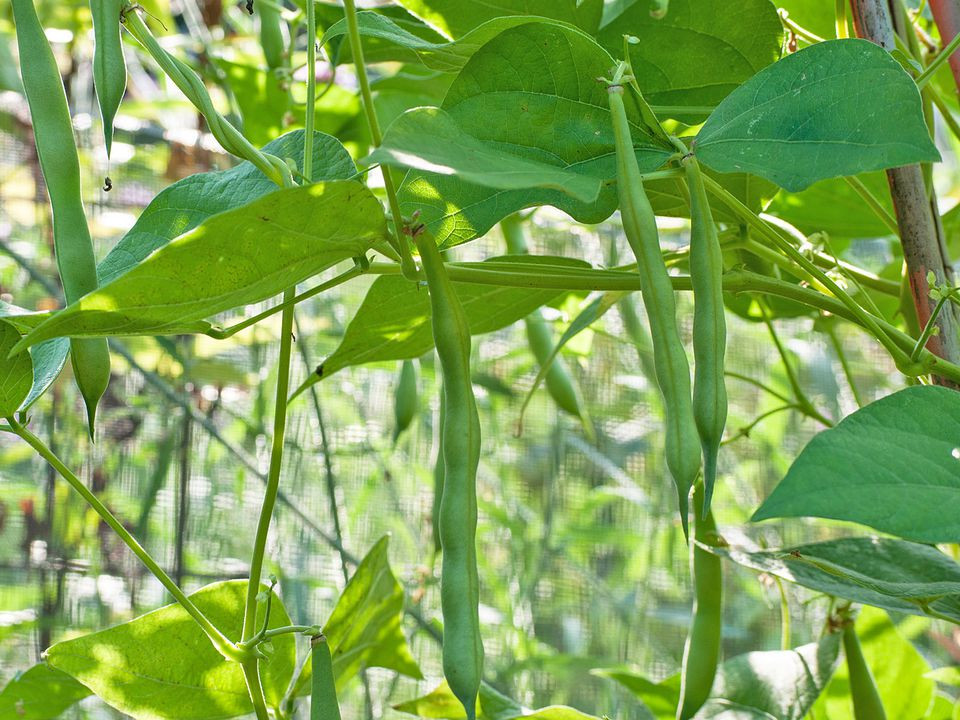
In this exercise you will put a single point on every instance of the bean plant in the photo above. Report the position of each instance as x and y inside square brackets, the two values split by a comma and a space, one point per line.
[781, 134]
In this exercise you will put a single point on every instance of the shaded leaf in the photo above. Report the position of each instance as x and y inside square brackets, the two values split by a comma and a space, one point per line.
[40, 693]
[16, 373]
[893, 465]
[232, 259]
[884, 572]
[738, 38]
[841, 107]
[181, 677]
[662, 699]
[455, 18]
[531, 91]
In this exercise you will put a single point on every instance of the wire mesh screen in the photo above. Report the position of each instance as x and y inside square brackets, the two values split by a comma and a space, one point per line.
[582, 560]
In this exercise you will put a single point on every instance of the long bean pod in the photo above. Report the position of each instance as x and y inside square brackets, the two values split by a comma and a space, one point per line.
[271, 35]
[405, 400]
[559, 383]
[701, 653]
[109, 68]
[709, 327]
[459, 582]
[323, 689]
[670, 359]
[863, 689]
[57, 150]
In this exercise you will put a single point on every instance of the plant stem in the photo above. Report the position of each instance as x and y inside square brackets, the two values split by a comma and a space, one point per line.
[844, 362]
[273, 474]
[251, 674]
[219, 640]
[942, 57]
[376, 136]
[841, 19]
[310, 118]
[879, 210]
[800, 32]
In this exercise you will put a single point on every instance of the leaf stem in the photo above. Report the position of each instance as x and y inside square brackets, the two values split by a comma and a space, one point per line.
[273, 474]
[310, 117]
[376, 136]
[223, 645]
[942, 57]
[879, 210]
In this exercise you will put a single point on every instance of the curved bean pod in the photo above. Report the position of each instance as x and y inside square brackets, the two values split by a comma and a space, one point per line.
[670, 359]
[459, 583]
[271, 35]
[701, 654]
[109, 68]
[863, 688]
[406, 401]
[709, 327]
[57, 150]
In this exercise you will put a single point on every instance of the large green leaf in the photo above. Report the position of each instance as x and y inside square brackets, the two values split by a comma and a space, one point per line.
[456, 18]
[897, 668]
[698, 53]
[394, 320]
[40, 693]
[531, 92]
[186, 203]
[161, 666]
[893, 574]
[365, 628]
[834, 207]
[429, 139]
[841, 107]
[781, 683]
[893, 465]
[16, 373]
[232, 259]
[661, 699]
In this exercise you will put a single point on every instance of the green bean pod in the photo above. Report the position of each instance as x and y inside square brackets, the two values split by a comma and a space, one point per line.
[670, 359]
[57, 150]
[459, 581]
[709, 327]
[271, 35]
[558, 381]
[109, 68]
[863, 688]
[323, 689]
[405, 401]
[438, 473]
[701, 654]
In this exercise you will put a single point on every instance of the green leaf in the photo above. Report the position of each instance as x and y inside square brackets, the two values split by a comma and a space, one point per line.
[668, 200]
[394, 320]
[893, 465]
[455, 18]
[409, 47]
[531, 91]
[814, 15]
[186, 203]
[833, 207]
[16, 373]
[946, 675]
[235, 258]
[40, 693]
[161, 666]
[781, 683]
[365, 628]
[893, 574]
[662, 699]
[48, 357]
[441, 704]
[739, 39]
[429, 139]
[822, 112]
[897, 668]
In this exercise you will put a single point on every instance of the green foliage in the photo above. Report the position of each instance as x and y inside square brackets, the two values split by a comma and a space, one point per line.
[308, 229]
[16, 374]
[161, 665]
[457, 17]
[875, 454]
[40, 693]
[799, 120]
